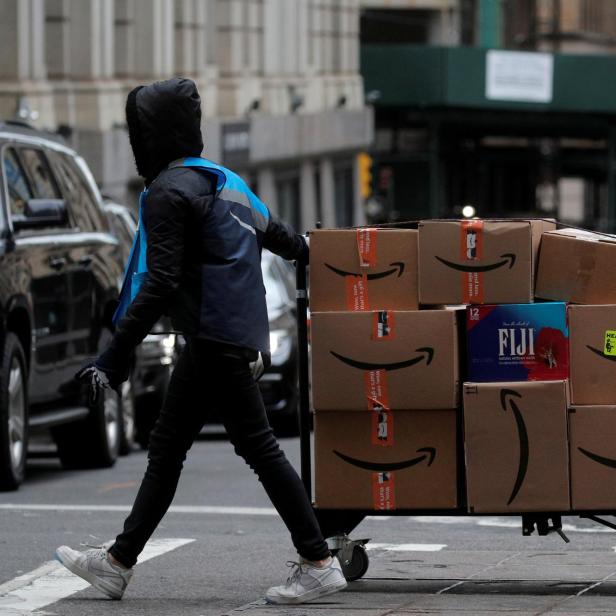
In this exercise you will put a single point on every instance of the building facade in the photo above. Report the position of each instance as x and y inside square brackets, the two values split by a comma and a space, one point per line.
[569, 26]
[282, 94]
[512, 114]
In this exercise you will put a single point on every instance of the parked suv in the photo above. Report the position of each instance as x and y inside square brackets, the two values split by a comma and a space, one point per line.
[155, 357]
[59, 277]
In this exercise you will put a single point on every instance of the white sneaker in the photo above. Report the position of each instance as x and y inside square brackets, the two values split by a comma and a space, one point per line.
[95, 567]
[308, 582]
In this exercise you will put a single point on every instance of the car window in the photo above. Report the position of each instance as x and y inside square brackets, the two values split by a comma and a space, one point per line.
[273, 286]
[287, 274]
[17, 183]
[121, 229]
[83, 209]
[39, 173]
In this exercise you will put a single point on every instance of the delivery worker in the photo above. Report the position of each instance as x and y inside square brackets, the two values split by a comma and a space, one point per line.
[203, 231]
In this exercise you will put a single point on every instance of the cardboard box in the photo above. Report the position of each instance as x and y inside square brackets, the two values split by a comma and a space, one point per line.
[592, 431]
[517, 342]
[389, 460]
[478, 261]
[577, 266]
[516, 447]
[395, 360]
[363, 269]
[592, 354]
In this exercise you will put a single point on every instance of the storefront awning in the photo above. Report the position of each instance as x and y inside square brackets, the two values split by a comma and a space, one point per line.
[468, 77]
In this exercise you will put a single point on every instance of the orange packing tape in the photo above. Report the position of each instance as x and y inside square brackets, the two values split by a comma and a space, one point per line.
[377, 391]
[383, 491]
[471, 249]
[366, 246]
[357, 292]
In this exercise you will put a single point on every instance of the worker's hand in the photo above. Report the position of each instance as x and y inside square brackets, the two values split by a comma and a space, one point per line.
[304, 256]
[108, 371]
[96, 380]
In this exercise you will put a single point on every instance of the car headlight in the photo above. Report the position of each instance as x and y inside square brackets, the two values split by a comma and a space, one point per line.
[281, 343]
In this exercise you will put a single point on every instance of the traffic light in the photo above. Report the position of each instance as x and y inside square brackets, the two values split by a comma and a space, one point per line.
[365, 174]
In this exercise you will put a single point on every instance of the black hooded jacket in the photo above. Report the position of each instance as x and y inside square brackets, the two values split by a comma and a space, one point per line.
[164, 122]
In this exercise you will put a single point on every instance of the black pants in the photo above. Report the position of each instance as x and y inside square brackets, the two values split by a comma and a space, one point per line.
[209, 375]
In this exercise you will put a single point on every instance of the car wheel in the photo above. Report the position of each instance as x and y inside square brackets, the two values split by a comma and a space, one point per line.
[13, 414]
[128, 434]
[93, 442]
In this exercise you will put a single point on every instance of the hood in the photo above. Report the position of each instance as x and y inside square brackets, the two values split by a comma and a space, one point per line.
[164, 124]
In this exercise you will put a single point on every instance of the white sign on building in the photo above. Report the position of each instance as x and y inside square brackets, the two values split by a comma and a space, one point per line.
[519, 76]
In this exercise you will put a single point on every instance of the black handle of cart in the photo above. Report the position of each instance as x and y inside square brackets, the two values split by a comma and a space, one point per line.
[304, 384]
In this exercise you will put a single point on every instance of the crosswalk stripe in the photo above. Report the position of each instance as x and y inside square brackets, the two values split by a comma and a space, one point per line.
[198, 509]
[407, 547]
[51, 582]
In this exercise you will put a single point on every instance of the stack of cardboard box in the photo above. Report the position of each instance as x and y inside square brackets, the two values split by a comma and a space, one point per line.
[577, 266]
[514, 399]
[539, 397]
[384, 377]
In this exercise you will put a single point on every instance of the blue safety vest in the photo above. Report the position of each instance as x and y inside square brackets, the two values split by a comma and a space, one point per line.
[233, 308]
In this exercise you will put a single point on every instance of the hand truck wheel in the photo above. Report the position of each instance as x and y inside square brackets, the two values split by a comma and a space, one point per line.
[352, 555]
[356, 567]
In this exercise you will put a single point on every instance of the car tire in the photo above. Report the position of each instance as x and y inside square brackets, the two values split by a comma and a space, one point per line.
[93, 442]
[13, 414]
[128, 432]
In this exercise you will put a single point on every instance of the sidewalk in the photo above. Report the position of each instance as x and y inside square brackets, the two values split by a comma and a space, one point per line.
[467, 583]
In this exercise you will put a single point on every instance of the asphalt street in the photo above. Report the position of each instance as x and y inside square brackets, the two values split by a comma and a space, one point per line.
[222, 546]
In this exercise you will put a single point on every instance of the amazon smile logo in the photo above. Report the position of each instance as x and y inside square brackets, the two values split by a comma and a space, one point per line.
[597, 458]
[429, 453]
[601, 353]
[507, 258]
[426, 353]
[397, 266]
[509, 395]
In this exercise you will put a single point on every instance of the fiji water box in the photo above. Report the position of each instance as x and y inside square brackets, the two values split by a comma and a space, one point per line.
[517, 342]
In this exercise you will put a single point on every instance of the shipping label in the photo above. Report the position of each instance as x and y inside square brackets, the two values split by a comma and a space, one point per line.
[382, 428]
[383, 491]
[383, 325]
[609, 347]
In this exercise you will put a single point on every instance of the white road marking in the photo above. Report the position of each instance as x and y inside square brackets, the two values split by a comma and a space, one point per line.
[51, 582]
[407, 547]
[203, 509]
[496, 522]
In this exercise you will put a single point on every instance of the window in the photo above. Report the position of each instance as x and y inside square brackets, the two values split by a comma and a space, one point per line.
[343, 194]
[17, 183]
[81, 203]
[288, 196]
[37, 168]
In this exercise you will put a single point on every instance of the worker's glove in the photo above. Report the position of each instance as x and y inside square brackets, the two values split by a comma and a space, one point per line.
[108, 371]
[306, 253]
[96, 380]
[260, 365]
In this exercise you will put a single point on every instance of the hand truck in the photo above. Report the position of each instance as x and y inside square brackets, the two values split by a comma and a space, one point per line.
[336, 525]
